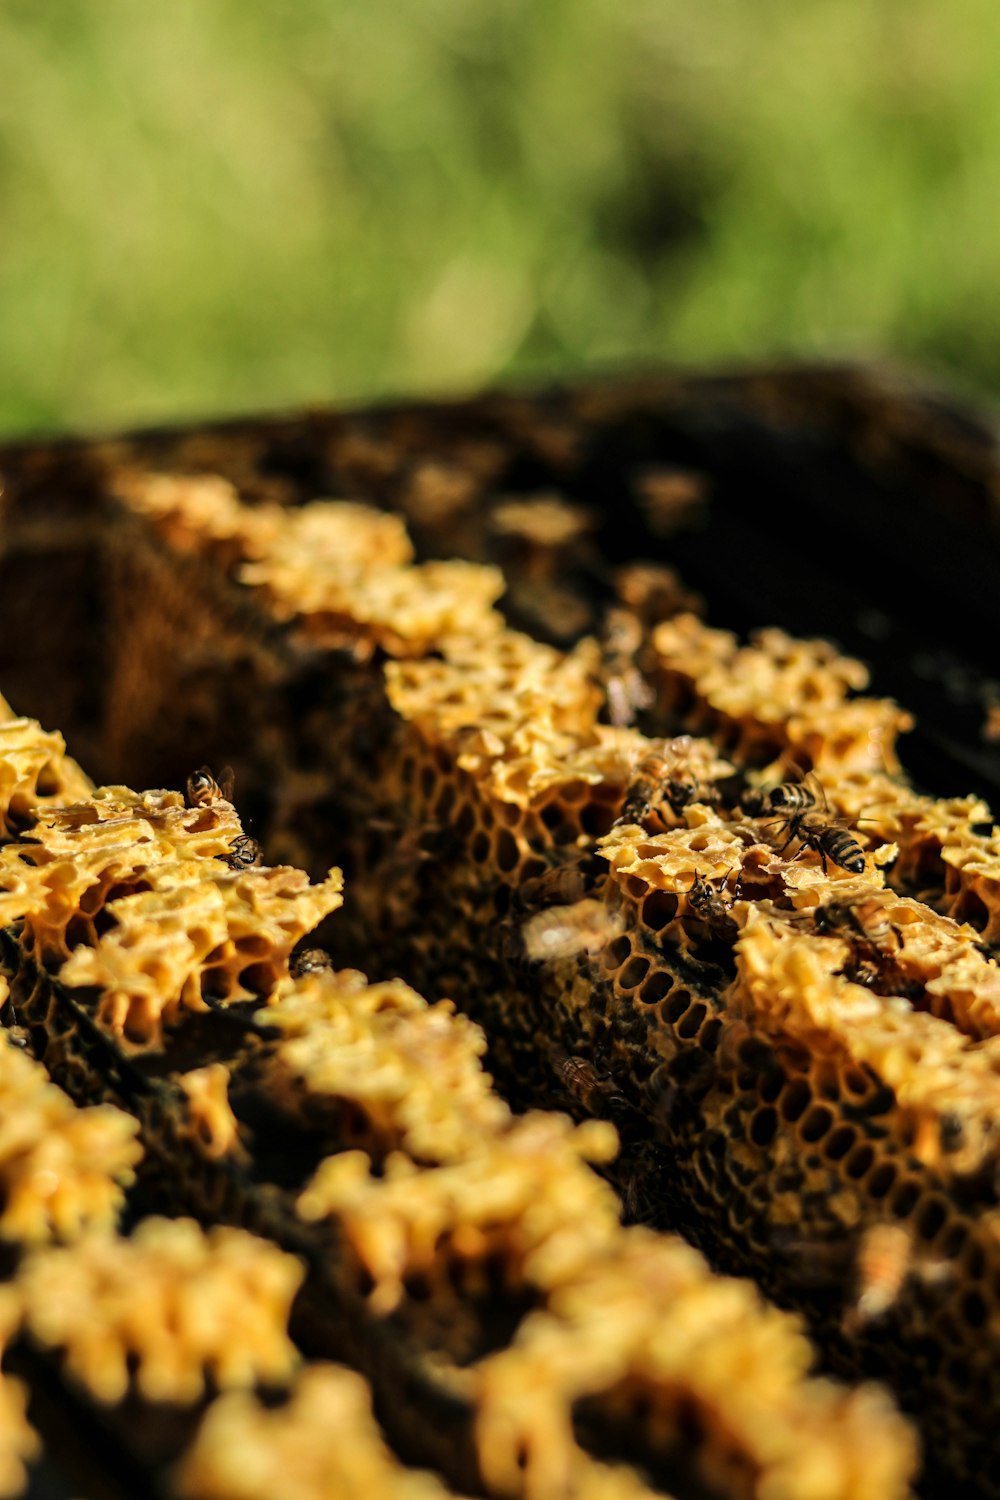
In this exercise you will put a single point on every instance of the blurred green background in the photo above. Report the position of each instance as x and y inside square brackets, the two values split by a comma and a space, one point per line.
[209, 206]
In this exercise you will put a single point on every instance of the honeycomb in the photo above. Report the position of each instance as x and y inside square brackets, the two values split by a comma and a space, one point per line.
[784, 1012]
[771, 703]
[514, 1204]
[604, 1332]
[35, 772]
[772, 1034]
[19, 1443]
[379, 1062]
[351, 1123]
[775, 696]
[209, 1109]
[63, 1170]
[315, 576]
[201, 517]
[324, 1442]
[168, 1307]
[132, 895]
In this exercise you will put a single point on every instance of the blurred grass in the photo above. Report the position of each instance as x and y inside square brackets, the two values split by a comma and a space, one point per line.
[210, 206]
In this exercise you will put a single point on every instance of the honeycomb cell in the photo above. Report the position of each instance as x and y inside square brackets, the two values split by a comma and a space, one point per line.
[954, 1239]
[633, 973]
[659, 909]
[858, 1163]
[596, 819]
[618, 952]
[839, 1142]
[904, 1198]
[465, 820]
[931, 1218]
[479, 849]
[795, 1099]
[764, 1126]
[690, 1023]
[816, 1123]
[656, 986]
[855, 1081]
[506, 852]
[445, 804]
[974, 1310]
[676, 1007]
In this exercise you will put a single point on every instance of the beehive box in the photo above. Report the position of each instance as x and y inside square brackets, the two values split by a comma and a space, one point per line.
[531, 673]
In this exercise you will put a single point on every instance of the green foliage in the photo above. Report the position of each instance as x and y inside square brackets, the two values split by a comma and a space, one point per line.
[210, 206]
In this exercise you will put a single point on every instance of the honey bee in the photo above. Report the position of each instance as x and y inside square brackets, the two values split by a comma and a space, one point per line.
[655, 781]
[409, 852]
[990, 731]
[672, 498]
[787, 799]
[952, 1132]
[591, 1091]
[559, 932]
[861, 920]
[203, 789]
[831, 842]
[310, 961]
[627, 690]
[583, 1082]
[872, 937]
[810, 1265]
[882, 1266]
[654, 592]
[876, 1264]
[800, 809]
[677, 1086]
[630, 1191]
[561, 885]
[742, 1048]
[244, 852]
[713, 909]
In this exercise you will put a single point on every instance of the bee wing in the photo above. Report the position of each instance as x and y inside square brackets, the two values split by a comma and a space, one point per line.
[621, 709]
[812, 781]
